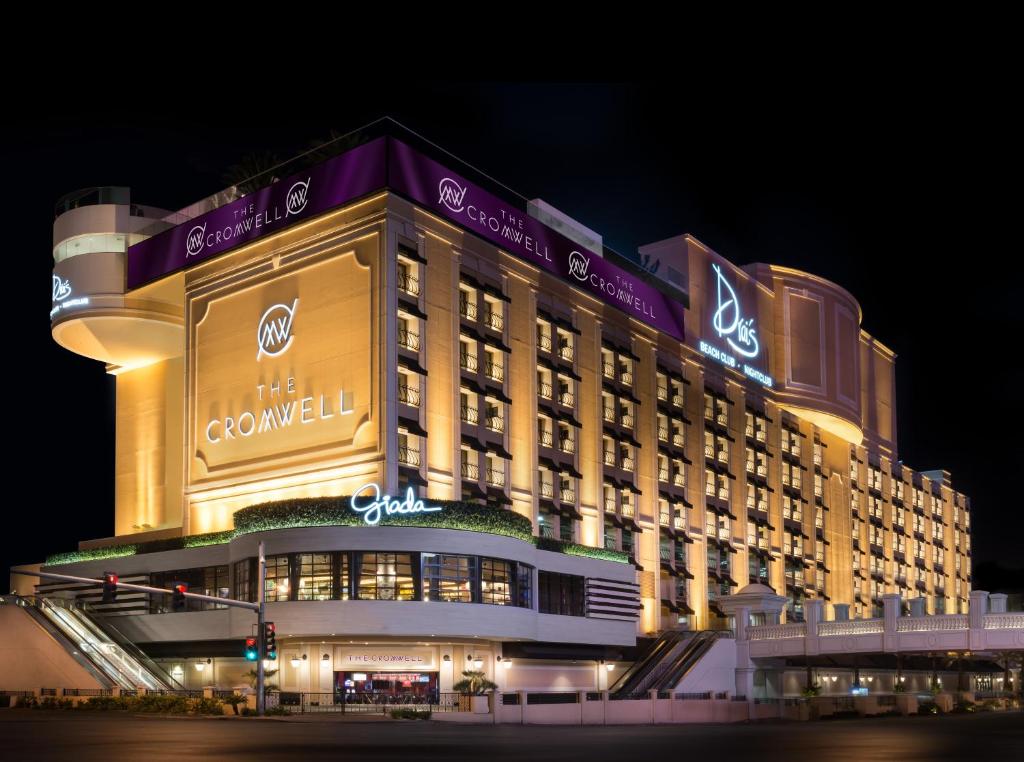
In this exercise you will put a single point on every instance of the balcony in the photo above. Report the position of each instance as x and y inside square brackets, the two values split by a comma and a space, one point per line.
[609, 414]
[543, 342]
[663, 475]
[544, 390]
[567, 444]
[494, 320]
[568, 399]
[626, 420]
[469, 414]
[817, 457]
[722, 418]
[468, 362]
[407, 456]
[626, 377]
[678, 479]
[408, 395]
[608, 370]
[565, 352]
[722, 456]
[567, 495]
[628, 510]
[494, 370]
[470, 471]
[628, 464]
[677, 439]
[495, 477]
[677, 522]
[723, 493]
[544, 439]
[662, 392]
[547, 490]
[609, 459]
[408, 283]
[709, 488]
[677, 400]
[663, 433]
[495, 423]
[467, 309]
[609, 505]
[408, 339]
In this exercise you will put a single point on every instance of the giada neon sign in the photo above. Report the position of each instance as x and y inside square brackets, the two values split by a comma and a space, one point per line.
[384, 505]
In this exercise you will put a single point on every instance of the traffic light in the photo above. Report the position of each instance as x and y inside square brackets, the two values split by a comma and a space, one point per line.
[109, 587]
[178, 596]
[252, 653]
[269, 641]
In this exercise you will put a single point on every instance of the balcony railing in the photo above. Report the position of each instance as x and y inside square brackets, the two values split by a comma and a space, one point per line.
[663, 433]
[408, 339]
[565, 352]
[544, 439]
[626, 376]
[408, 456]
[494, 370]
[469, 414]
[609, 505]
[722, 419]
[662, 392]
[709, 451]
[626, 420]
[568, 495]
[677, 522]
[608, 370]
[470, 471]
[496, 477]
[468, 362]
[408, 283]
[762, 469]
[677, 400]
[609, 459]
[677, 439]
[467, 309]
[408, 395]
[544, 390]
[495, 423]
[678, 479]
[567, 444]
[543, 342]
[609, 414]
[722, 456]
[627, 464]
[662, 474]
[547, 490]
[628, 510]
[494, 320]
[567, 398]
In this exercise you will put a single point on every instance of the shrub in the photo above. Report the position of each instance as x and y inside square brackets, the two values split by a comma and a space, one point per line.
[410, 714]
[205, 706]
[276, 711]
[105, 703]
[234, 700]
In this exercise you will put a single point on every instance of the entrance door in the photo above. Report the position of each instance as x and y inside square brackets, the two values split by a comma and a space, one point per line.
[386, 687]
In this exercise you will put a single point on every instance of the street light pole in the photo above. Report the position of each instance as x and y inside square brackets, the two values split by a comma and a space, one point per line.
[261, 576]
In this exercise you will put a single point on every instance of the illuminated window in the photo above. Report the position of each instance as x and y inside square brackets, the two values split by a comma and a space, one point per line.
[447, 577]
[386, 577]
[316, 577]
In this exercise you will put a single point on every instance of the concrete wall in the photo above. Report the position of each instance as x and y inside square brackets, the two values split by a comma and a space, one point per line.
[31, 659]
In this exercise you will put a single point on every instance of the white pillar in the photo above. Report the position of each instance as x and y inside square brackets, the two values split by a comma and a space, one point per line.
[890, 618]
[997, 603]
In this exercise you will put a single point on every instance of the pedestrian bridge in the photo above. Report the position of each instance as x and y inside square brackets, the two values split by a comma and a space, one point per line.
[986, 627]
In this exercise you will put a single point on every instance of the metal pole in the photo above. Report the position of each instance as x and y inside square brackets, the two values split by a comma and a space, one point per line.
[261, 575]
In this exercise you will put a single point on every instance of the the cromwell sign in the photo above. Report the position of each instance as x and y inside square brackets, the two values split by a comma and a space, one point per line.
[390, 163]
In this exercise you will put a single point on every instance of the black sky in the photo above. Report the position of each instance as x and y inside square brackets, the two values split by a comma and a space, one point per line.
[902, 189]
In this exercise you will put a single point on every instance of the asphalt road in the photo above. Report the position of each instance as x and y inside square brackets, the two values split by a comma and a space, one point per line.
[83, 737]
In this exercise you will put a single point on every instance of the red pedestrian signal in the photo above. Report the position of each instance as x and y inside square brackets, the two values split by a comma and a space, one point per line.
[178, 596]
[109, 587]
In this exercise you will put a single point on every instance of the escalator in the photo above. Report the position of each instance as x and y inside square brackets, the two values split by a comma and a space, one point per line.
[97, 645]
[664, 663]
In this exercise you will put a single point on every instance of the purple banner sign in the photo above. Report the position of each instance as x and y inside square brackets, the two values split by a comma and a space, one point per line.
[301, 196]
[469, 206]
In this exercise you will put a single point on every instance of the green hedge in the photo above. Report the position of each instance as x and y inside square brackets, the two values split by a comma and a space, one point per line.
[335, 511]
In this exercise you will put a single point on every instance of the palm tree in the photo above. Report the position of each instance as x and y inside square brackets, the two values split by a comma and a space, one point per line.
[474, 683]
[267, 673]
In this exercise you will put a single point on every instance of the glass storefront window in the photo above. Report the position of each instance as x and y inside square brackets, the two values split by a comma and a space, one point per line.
[316, 577]
[386, 577]
[278, 584]
[448, 578]
[524, 586]
[495, 581]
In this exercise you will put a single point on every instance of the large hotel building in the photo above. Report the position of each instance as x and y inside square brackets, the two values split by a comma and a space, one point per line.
[582, 449]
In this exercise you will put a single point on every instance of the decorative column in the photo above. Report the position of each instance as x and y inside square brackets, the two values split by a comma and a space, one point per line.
[976, 619]
[891, 604]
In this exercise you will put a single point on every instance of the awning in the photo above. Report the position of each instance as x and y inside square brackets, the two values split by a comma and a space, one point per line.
[412, 425]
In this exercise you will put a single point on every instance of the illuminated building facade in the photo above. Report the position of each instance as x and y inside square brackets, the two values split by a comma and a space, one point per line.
[386, 321]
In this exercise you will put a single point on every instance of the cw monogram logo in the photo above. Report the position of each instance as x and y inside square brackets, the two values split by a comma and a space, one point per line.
[297, 197]
[195, 239]
[451, 194]
[578, 265]
[274, 332]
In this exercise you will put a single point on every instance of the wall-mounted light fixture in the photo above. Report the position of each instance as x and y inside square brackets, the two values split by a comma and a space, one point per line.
[297, 660]
[446, 657]
[506, 663]
[478, 661]
[201, 665]
[326, 657]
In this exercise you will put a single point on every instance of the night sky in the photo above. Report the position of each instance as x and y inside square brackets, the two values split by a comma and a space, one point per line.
[896, 193]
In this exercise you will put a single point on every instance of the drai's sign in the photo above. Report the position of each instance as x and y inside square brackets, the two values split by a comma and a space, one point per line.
[282, 406]
[374, 506]
[61, 292]
[738, 331]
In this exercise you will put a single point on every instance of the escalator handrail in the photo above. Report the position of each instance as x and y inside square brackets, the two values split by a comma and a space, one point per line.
[698, 647]
[643, 666]
[81, 657]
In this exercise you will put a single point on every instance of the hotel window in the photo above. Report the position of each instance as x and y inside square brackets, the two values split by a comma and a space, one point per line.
[493, 316]
[918, 524]
[408, 449]
[567, 490]
[819, 518]
[467, 302]
[607, 363]
[544, 387]
[678, 399]
[678, 473]
[819, 551]
[609, 498]
[611, 535]
[408, 332]
[722, 449]
[407, 277]
[566, 441]
[560, 594]
[386, 577]
[608, 451]
[664, 512]
[678, 437]
[316, 577]
[938, 557]
[495, 471]
[626, 462]
[565, 345]
[626, 370]
[709, 444]
[278, 581]
[495, 418]
[709, 482]
[819, 486]
[467, 354]
[661, 385]
[543, 335]
[875, 478]
[875, 506]
[608, 407]
[494, 367]
[546, 483]
[757, 569]
[709, 407]
[547, 520]
[662, 423]
[665, 550]
[447, 577]
[663, 469]
[566, 395]
[627, 542]
[626, 413]
[468, 406]
[627, 505]
[495, 582]
[408, 390]
[545, 437]
[208, 580]
[468, 464]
